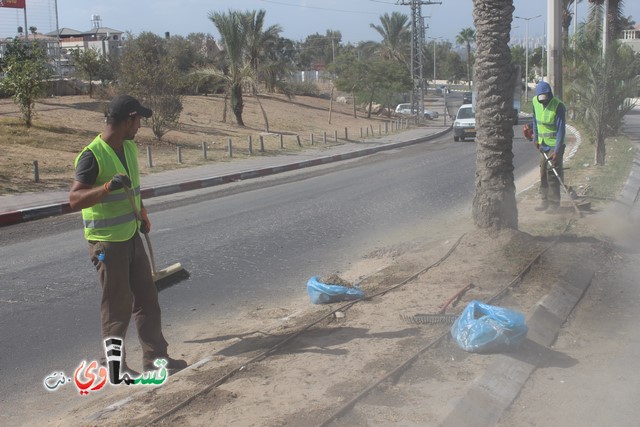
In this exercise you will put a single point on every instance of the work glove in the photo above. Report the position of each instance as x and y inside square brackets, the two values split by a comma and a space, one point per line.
[117, 182]
[527, 132]
[145, 225]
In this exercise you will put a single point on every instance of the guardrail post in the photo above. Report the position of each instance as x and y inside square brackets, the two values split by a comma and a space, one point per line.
[250, 145]
[149, 158]
[36, 172]
[230, 147]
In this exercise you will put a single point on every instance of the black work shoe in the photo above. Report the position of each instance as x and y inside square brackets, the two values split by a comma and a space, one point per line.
[172, 366]
[542, 206]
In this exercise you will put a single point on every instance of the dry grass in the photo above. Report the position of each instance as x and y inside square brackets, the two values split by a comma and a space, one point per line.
[64, 125]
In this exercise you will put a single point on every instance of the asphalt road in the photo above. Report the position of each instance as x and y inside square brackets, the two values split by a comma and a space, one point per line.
[255, 245]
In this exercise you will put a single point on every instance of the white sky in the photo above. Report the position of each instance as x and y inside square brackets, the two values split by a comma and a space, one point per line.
[298, 18]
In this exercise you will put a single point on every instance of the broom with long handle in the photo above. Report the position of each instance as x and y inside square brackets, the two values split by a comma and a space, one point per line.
[157, 275]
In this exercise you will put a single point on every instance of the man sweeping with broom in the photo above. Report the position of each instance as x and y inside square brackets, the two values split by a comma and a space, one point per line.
[103, 169]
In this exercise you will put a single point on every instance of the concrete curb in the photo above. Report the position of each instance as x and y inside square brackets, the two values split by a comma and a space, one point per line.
[492, 393]
[39, 212]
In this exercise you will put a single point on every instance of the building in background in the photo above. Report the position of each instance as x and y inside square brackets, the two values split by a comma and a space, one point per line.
[632, 38]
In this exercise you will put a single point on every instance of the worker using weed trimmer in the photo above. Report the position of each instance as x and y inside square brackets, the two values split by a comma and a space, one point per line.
[103, 169]
[548, 135]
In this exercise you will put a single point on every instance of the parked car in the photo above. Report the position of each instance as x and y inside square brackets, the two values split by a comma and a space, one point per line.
[464, 125]
[467, 97]
[428, 114]
[403, 109]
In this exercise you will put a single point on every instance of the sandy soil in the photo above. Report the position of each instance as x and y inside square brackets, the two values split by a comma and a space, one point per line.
[297, 364]
[64, 125]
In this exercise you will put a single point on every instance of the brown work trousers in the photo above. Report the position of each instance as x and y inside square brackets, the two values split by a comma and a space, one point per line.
[128, 287]
[549, 183]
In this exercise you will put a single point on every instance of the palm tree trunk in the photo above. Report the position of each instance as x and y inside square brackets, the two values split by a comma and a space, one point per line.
[370, 104]
[236, 103]
[494, 202]
[264, 113]
[224, 110]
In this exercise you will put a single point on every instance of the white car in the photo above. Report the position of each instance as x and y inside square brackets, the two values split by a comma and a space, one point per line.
[403, 109]
[464, 125]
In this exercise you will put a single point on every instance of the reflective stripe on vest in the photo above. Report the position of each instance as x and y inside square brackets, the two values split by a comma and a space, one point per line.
[112, 219]
[546, 121]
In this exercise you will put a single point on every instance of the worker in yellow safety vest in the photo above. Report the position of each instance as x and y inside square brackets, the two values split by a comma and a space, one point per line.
[548, 135]
[102, 169]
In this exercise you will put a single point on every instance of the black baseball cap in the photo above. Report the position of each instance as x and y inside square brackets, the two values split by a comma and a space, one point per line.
[123, 106]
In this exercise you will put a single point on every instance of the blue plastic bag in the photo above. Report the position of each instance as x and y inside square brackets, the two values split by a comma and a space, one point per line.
[322, 293]
[483, 328]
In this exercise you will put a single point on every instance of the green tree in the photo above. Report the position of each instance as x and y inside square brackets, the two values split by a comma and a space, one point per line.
[90, 63]
[150, 74]
[601, 89]
[466, 37]
[371, 79]
[453, 67]
[319, 50]
[395, 30]
[26, 73]
[280, 63]
[494, 202]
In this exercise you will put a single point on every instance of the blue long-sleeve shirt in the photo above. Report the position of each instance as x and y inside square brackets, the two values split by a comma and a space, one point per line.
[560, 127]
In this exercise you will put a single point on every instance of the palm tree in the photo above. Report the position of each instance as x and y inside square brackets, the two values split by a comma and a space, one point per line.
[395, 30]
[615, 19]
[258, 42]
[466, 37]
[567, 18]
[231, 28]
[494, 202]
[602, 89]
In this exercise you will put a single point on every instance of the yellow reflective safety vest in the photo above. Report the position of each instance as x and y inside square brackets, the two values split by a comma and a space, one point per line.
[546, 120]
[112, 219]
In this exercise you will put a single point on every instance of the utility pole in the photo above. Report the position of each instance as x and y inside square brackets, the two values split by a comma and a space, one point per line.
[554, 50]
[526, 55]
[417, 47]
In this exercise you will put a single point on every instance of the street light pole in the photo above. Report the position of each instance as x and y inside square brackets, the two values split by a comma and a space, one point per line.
[434, 39]
[526, 54]
[434, 62]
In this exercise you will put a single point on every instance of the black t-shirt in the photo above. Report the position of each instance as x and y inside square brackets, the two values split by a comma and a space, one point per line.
[87, 168]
